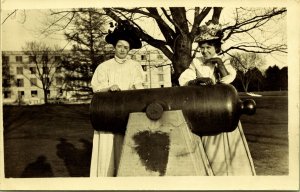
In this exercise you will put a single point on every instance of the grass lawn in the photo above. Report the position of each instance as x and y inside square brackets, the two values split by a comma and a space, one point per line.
[57, 139]
[267, 133]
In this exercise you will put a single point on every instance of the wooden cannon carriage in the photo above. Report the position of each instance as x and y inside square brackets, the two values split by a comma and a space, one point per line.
[164, 127]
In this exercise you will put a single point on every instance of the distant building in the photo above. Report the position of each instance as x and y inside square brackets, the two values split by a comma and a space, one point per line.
[20, 80]
[156, 66]
[21, 85]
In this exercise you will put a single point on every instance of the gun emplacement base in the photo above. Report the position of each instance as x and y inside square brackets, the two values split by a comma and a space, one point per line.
[161, 148]
[167, 147]
[160, 126]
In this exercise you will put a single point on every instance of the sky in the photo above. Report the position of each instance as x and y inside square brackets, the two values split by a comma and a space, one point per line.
[19, 29]
[26, 25]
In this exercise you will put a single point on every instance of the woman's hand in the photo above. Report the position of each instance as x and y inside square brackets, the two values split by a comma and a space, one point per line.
[139, 86]
[215, 60]
[114, 88]
[201, 81]
[220, 67]
[225, 80]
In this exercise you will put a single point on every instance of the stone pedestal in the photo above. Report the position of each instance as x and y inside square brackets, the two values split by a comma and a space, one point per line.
[163, 147]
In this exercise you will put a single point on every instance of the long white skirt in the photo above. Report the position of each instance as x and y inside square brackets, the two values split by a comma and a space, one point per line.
[107, 148]
[226, 154]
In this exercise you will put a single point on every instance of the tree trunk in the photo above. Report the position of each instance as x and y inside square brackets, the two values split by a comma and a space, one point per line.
[182, 56]
[246, 86]
[243, 82]
[45, 96]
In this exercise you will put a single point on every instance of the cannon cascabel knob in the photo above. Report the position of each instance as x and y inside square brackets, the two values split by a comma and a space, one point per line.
[248, 107]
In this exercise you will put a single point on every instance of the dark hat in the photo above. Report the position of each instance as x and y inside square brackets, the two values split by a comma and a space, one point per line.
[124, 31]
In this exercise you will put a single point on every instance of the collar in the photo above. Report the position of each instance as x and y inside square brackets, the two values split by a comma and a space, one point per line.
[120, 61]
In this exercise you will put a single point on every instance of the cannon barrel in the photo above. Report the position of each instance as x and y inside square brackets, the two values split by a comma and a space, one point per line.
[207, 109]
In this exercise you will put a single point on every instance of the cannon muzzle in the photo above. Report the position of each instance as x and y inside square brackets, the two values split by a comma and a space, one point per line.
[207, 109]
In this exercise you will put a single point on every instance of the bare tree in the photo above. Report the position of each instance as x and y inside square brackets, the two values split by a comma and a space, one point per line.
[45, 60]
[247, 64]
[178, 27]
[13, 14]
[7, 77]
[179, 31]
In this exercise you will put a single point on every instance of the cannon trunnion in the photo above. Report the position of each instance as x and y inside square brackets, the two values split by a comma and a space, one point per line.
[207, 109]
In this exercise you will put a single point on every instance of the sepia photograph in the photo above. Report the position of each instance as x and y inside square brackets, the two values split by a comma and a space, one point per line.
[155, 96]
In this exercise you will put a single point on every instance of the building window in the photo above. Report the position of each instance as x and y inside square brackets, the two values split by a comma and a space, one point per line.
[32, 58]
[46, 70]
[19, 59]
[34, 93]
[21, 94]
[7, 94]
[6, 83]
[160, 77]
[160, 69]
[19, 70]
[143, 57]
[5, 60]
[33, 81]
[20, 82]
[144, 67]
[59, 80]
[32, 70]
[159, 56]
[57, 58]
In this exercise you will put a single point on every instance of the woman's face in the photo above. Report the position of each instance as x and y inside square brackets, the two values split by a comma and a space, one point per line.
[207, 51]
[122, 48]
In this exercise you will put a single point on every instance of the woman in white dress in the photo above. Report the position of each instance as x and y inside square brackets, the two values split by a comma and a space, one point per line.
[116, 74]
[227, 153]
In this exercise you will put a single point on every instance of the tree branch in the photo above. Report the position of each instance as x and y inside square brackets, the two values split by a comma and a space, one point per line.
[258, 49]
[257, 21]
[179, 18]
[13, 12]
[216, 14]
[198, 18]
[168, 33]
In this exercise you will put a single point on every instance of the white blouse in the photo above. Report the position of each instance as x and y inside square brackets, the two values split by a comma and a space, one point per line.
[126, 75]
[198, 69]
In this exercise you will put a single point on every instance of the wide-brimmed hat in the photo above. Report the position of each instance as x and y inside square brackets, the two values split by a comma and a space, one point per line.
[209, 32]
[124, 31]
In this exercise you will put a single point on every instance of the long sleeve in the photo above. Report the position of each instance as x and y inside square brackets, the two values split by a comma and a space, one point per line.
[232, 73]
[99, 79]
[198, 69]
[187, 75]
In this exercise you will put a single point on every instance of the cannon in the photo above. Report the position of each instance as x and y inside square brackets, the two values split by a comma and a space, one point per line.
[207, 110]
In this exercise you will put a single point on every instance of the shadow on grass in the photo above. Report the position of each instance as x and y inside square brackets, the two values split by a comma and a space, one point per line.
[76, 160]
[39, 168]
